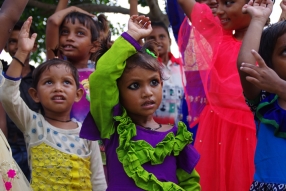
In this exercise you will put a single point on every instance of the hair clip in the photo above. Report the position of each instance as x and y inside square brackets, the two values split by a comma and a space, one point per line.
[95, 18]
[151, 53]
[2, 79]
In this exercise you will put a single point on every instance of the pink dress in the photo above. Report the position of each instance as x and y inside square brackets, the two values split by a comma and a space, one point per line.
[226, 137]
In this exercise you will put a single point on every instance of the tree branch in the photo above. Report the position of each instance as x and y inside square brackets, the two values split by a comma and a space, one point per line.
[89, 7]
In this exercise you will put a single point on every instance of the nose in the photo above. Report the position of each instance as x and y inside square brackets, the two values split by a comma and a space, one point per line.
[147, 92]
[70, 37]
[58, 87]
[219, 10]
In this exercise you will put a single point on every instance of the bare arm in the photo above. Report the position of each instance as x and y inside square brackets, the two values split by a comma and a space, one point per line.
[3, 123]
[10, 13]
[187, 6]
[133, 7]
[62, 5]
[260, 13]
[52, 29]
[283, 8]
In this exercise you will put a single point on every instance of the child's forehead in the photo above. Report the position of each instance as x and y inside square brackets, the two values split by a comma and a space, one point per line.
[139, 72]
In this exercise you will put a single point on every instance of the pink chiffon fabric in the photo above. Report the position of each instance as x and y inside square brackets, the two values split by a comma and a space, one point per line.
[226, 137]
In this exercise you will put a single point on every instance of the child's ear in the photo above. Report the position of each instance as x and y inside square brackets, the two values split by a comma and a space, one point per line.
[79, 94]
[96, 46]
[34, 94]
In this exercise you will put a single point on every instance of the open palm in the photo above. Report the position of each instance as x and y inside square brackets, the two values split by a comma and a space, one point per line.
[258, 9]
[26, 43]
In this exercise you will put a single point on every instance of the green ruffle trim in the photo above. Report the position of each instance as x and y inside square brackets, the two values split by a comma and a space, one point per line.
[264, 120]
[132, 154]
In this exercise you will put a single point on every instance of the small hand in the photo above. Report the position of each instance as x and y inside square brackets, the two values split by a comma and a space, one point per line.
[261, 75]
[283, 5]
[25, 42]
[259, 9]
[139, 27]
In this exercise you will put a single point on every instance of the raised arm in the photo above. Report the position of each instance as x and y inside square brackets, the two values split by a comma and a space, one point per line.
[53, 26]
[283, 8]
[11, 101]
[260, 11]
[133, 7]
[187, 6]
[10, 13]
[108, 69]
[62, 5]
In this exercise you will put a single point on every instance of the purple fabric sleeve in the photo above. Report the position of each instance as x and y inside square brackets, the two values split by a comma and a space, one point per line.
[89, 129]
[131, 40]
[11, 78]
[188, 158]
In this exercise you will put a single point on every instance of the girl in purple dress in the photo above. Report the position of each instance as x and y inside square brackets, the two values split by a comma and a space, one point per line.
[125, 91]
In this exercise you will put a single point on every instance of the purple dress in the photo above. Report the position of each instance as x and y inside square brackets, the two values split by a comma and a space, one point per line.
[165, 172]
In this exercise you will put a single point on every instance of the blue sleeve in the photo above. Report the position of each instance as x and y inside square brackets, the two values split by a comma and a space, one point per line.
[176, 16]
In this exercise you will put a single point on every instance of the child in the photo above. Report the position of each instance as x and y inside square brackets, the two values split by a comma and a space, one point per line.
[59, 159]
[15, 136]
[141, 154]
[264, 88]
[226, 133]
[78, 36]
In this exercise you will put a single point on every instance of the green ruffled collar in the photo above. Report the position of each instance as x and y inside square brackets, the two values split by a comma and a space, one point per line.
[132, 154]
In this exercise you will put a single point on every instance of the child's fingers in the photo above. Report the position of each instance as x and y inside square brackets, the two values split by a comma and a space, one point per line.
[249, 69]
[34, 36]
[253, 80]
[258, 58]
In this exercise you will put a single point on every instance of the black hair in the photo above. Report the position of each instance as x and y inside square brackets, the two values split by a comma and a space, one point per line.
[99, 27]
[269, 39]
[145, 60]
[53, 62]
[19, 25]
[160, 24]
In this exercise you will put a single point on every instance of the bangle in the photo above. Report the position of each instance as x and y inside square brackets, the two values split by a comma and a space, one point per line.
[17, 59]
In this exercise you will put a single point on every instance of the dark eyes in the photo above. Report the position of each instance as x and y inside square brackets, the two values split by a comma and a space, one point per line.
[12, 41]
[67, 82]
[48, 82]
[135, 86]
[228, 3]
[154, 83]
[64, 32]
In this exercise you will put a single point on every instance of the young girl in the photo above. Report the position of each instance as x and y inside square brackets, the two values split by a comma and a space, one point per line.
[78, 36]
[59, 159]
[264, 87]
[226, 132]
[126, 89]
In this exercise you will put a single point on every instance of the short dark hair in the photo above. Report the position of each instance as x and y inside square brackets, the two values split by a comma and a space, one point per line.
[19, 25]
[160, 24]
[269, 39]
[53, 62]
[145, 60]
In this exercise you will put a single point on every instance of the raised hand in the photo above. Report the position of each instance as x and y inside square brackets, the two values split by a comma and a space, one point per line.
[259, 9]
[25, 42]
[261, 75]
[139, 26]
[283, 5]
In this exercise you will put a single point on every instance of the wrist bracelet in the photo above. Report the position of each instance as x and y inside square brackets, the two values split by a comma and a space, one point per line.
[17, 59]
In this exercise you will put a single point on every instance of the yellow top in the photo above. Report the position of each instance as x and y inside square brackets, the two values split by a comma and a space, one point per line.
[59, 171]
